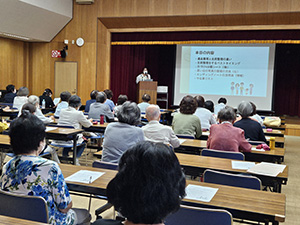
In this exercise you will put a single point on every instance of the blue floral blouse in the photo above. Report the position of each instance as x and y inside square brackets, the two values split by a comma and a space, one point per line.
[33, 175]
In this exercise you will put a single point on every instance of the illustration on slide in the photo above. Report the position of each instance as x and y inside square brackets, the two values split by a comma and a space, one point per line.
[232, 88]
[251, 88]
[237, 85]
[246, 91]
[242, 88]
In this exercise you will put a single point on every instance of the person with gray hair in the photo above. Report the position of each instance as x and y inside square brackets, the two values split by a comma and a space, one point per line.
[156, 132]
[122, 135]
[34, 100]
[21, 98]
[98, 108]
[253, 130]
[225, 136]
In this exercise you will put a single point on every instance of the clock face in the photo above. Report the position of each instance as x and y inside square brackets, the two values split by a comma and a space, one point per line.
[79, 42]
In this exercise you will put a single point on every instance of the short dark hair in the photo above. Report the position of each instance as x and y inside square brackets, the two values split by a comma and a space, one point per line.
[200, 100]
[94, 94]
[129, 113]
[108, 93]
[10, 88]
[222, 100]
[122, 99]
[227, 114]
[254, 109]
[65, 96]
[47, 92]
[188, 105]
[209, 105]
[101, 97]
[26, 132]
[23, 91]
[29, 107]
[146, 98]
[150, 183]
[74, 101]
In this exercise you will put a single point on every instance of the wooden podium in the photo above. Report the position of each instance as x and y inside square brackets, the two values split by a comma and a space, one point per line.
[147, 87]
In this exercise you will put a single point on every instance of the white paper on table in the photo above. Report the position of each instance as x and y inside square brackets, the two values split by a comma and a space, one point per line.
[269, 169]
[268, 138]
[50, 128]
[182, 140]
[241, 165]
[205, 133]
[200, 193]
[84, 176]
[259, 150]
[56, 100]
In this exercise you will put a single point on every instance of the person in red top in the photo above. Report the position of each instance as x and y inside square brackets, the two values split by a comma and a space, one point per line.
[225, 136]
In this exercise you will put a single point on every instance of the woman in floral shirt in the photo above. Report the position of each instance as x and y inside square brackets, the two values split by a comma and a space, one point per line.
[29, 174]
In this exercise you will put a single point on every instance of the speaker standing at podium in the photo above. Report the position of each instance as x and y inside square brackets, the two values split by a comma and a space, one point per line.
[143, 76]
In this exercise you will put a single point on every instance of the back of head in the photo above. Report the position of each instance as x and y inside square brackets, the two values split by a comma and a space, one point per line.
[122, 99]
[200, 100]
[254, 109]
[209, 105]
[129, 113]
[10, 88]
[108, 93]
[47, 92]
[245, 109]
[146, 98]
[75, 101]
[33, 99]
[153, 112]
[227, 114]
[101, 97]
[23, 91]
[26, 132]
[65, 96]
[222, 100]
[149, 185]
[188, 105]
[94, 94]
[29, 107]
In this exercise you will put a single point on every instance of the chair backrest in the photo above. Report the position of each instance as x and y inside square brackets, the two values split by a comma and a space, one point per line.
[26, 207]
[201, 216]
[186, 136]
[61, 126]
[223, 154]
[236, 180]
[105, 165]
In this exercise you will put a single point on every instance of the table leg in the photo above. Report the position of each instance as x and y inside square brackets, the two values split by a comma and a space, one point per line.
[74, 149]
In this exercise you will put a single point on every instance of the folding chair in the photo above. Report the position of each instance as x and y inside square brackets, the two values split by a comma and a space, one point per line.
[223, 154]
[186, 136]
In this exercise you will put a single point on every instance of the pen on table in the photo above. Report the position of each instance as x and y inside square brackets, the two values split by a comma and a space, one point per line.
[90, 180]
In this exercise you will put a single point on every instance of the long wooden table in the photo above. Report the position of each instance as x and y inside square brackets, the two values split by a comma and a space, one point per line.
[195, 165]
[242, 203]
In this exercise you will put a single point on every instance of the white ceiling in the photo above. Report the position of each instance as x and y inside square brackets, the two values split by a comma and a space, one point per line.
[35, 20]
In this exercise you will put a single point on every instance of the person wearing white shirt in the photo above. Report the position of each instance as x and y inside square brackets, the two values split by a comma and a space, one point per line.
[221, 104]
[205, 116]
[143, 76]
[255, 116]
[21, 98]
[156, 132]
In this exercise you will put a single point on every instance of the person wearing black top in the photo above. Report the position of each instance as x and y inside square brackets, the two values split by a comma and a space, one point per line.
[252, 128]
[47, 97]
[11, 93]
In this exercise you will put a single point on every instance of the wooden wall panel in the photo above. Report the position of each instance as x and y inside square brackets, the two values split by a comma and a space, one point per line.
[234, 6]
[279, 5]
[256, 6]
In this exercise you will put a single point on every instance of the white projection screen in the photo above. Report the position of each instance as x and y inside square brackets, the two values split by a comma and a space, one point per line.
[237, 72]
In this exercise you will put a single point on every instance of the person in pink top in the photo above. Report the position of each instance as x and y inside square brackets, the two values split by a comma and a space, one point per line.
[225, 136]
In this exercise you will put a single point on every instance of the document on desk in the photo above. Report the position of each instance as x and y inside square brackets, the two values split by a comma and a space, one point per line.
[242, 165]
[181, 140]
[50, 128]
[84, 176]
[200, 193]
[259, 150]
[268, 138]
[268, 169]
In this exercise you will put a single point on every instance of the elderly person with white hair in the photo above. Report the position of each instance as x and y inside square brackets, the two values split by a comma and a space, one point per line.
[156, 132]
[253, 129]
[35, 100]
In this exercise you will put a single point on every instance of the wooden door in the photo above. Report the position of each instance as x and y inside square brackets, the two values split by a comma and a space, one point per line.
[65, 78]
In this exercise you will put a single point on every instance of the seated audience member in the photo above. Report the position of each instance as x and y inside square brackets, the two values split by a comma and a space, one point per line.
[225, 136]
[47, 97]
[99, 108]
[34, 100]
[221, 104]
[253, 129]
[148, 187]
[109, 102]
[21, 98]
[143, 105]
[185, 122]
[121, 100]
[210, 106]
[29, 174]
[10, 93]
[255, 116]
[205, 116]
[64, 98]
[156, 132]
[72, 117]
[92, 100]
[120, 136]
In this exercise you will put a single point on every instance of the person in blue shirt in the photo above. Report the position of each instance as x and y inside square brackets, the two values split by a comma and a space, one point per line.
[11, 93]
[109, 101]
[92, 100]
[64, 98]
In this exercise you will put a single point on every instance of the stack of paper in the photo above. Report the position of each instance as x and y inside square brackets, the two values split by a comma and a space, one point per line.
[259, 150]
[269, 169]
[200, 193]
[242, 165]
[84, 176]
[182, 140]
